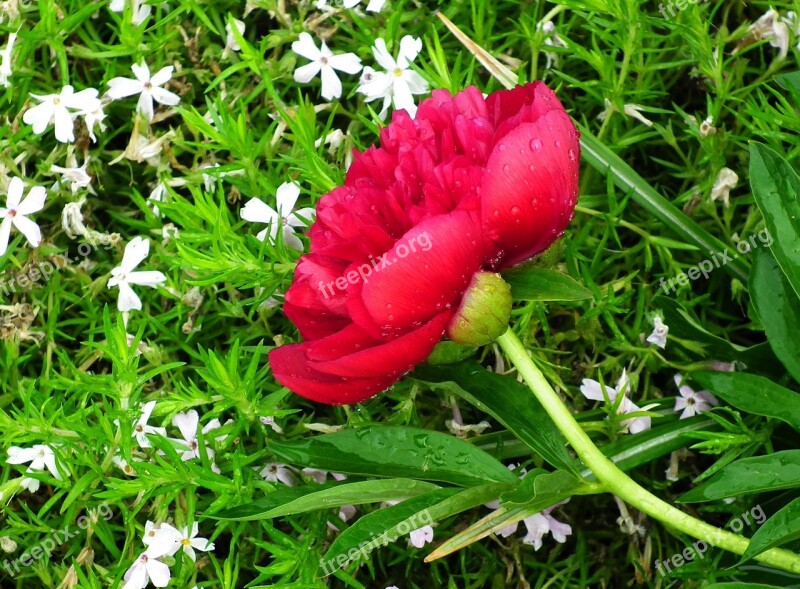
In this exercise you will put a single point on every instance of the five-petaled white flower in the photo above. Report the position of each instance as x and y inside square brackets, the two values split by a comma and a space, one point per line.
[660, 331]
[75, 175]
[592, 390]
[141, 429]
[187, 424]
[323, 62]
[537, 526]
[148, 569]
[189, 542]
[146, 86]
[123, 275]
[256, 211]
[40, 457]
[399, 82]
[692, 402]
[274, 473]
[55, 108]
[16, 211]
[5, 61]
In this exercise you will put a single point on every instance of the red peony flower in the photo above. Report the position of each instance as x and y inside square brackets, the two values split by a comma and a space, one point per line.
[471, 184]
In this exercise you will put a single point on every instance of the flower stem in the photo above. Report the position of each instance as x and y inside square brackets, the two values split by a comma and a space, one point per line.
[616, 481]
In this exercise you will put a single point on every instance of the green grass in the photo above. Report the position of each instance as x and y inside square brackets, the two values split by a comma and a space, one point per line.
[68, 371]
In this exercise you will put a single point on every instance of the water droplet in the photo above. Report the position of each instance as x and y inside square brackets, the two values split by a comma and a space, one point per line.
[502, 147]
[507, 168]
[515, 211]
[496, 213]
[536, 144]
[532, 168]
[572, 155]
[558, 143]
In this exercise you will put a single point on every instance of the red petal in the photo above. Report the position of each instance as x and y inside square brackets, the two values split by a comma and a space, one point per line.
[290, 367]
[390, 359]
[530, 187]
[426, 272]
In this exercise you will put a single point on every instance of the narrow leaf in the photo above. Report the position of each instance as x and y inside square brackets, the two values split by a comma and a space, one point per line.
[781, 528]
[544, 284]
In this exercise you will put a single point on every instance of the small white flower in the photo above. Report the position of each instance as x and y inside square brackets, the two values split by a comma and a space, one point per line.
[40, 457]
[399, 83]
[189, 542]
[141, 429]
[230, 43]
[373, 6]
[592, 390]
[16, 213]
[324, 63]
[275, 473]
[540, 524]
[187, 424]
[161, 538]
[632, 110]
[147, 569]
[5, 61]
[123, 276]
[93, 115]
[660, 331]
[422, 536]
[346, 512]
[707, 127]
[139, 10]
[55, 108]
[146, 86]
[770, 27]
[270, 421]
[551, 39]
[456, 425]
[692, 402]
[76, 176]
[7, 544]
[726, 181]
[256, 211]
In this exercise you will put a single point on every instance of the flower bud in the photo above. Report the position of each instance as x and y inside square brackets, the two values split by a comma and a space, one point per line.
[484, 312]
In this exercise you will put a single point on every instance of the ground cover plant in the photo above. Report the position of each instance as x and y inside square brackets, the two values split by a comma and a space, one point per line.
[623, 409]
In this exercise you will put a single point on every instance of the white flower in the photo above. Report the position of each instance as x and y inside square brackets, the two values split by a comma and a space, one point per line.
[592, 390]
[325, 63]
[551, 39]
[692, 402]
[539, 524]
[187, 424]
[40, 456]
[55, 108]
[93, 115]
[145, 570]
[5, 61]
[189, 542]
[399, 82]
[726, 181]
[146, 86]
[346, 512]
[76, 176]
[456, 425]
[422, 536]
[139, 10]
[123, 275]
[707, 127]
[274, 473]
[632, 110]
[141, 430]
[161, 538]
[660, 331]
[7, 544]
[230, 42]
[770, 27]
[373, 6]
[256, 211]
[270, 421]
[16, 213]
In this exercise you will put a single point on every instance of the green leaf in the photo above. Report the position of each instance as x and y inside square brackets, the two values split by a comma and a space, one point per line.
[778, 308]
[607, 162]
[396, 452]
[754, 394]
[740, 586]
[381, 528]
[780, 470]
[683, 325]
[293, 500]
[508, 401]
[776, 189]
[544, 284]
[549, 487]
[781, 528]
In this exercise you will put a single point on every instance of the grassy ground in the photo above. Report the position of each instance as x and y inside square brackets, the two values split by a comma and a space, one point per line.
[69, 374]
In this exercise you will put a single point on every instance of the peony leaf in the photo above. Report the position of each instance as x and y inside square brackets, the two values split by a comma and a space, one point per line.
[773, 472]
[385, 451]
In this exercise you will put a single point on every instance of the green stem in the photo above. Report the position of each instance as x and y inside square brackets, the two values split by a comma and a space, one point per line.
[616, 481]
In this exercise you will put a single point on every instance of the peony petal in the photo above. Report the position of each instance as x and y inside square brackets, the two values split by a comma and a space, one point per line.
[415, 280]
[530, 188]
[394, 358]
[290, 367]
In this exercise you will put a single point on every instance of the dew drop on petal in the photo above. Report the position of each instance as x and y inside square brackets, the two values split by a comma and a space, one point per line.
[536, 144]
